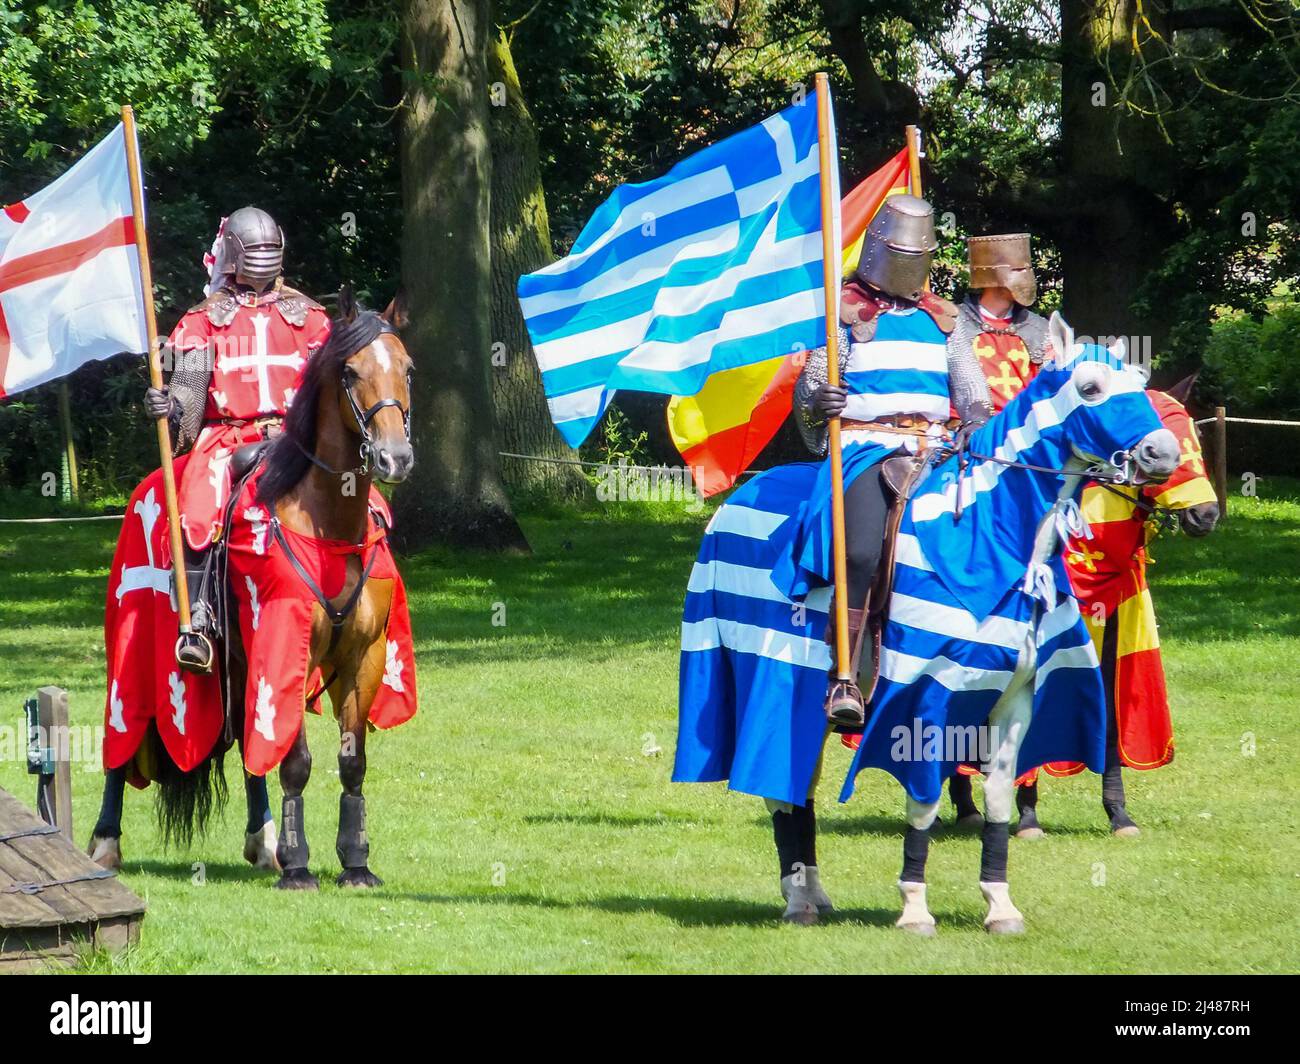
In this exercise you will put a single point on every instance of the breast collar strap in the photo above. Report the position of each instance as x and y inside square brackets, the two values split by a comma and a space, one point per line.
[337, 617]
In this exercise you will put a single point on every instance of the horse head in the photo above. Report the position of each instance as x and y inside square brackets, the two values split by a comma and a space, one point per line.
[1188, 490]
[1109, 422]
[375, 396]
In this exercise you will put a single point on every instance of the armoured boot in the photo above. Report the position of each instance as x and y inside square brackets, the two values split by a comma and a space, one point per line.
[844, 706]
[194, 649]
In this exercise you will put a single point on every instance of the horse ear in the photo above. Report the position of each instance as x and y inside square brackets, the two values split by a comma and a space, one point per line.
[1061, 337]
[1119, 349]
[347, 302]
[1182, 391]
[396, 315]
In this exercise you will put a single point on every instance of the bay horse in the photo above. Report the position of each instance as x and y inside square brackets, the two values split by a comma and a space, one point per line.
[348, 425]
[1004, 654]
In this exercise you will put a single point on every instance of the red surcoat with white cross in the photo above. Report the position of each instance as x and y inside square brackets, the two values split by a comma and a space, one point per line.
[257, 359]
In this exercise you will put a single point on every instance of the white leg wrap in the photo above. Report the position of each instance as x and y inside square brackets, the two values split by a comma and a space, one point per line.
[1001, 910]
[916, 914]
[801, 905]
[259, 847]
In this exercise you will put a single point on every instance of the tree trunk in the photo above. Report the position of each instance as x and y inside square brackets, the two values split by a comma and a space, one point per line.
[454, 494]
[1118, 226]
[521, 243]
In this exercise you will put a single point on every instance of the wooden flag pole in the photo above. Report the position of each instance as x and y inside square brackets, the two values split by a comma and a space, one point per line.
[155, 373]
[831, 292]
[913, 134]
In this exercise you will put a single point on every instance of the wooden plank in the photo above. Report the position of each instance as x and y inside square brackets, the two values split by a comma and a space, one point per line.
[101, 897]
[70, 908]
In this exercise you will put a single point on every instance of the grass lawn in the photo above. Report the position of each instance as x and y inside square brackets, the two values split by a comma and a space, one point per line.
[524, 821]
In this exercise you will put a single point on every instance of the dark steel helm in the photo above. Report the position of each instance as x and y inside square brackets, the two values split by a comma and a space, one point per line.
[896, 253]
[253, 248]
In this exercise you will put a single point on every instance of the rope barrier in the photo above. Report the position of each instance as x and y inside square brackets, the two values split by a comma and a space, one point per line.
[57, 520]
[1248, 421]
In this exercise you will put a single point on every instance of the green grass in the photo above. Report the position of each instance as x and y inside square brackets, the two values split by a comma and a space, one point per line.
[525, 821]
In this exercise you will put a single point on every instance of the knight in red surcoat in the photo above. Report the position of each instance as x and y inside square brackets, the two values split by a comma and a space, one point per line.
[236, 359]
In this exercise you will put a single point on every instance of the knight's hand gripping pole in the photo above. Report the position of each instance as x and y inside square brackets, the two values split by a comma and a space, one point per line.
[843, 699]
[194, 651]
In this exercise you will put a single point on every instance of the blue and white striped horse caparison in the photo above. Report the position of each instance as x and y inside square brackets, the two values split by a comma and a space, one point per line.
[959, 614]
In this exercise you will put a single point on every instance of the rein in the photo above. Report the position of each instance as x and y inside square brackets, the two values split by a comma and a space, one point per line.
[965, 454]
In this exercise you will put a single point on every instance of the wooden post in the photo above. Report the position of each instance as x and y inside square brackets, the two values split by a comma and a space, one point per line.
[831, 293]
[72, 486]
[52, 721]
[1221, 460]
[155, 371]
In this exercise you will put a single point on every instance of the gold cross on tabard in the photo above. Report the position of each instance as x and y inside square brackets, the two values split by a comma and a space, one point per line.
[1086, 558]
[1005, 379]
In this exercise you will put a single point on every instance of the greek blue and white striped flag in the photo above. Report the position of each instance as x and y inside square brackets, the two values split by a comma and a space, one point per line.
[717, 264]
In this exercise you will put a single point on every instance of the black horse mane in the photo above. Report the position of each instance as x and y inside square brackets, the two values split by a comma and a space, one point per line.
[287, 460]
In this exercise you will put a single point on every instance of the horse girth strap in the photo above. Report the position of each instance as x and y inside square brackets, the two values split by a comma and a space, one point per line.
[337, 617]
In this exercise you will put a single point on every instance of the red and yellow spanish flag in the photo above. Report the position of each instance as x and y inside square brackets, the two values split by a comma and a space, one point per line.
[721, 428]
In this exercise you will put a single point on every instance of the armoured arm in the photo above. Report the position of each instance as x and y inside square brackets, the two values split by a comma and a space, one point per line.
[188, 385]
[811, 423]
[967, 385]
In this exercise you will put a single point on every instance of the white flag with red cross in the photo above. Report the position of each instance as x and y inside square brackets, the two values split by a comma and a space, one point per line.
[69, 276]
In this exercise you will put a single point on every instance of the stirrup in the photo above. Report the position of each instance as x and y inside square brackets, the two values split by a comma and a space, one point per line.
[844, 704]
[195, 653]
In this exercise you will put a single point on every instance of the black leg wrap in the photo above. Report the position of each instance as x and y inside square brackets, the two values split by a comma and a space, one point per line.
[109, 825]
[1027, 797]
[807, 816]
[916, 848]
[785, 830]
[292, 851]
[353, 847]
[961, 791]
[993, 854]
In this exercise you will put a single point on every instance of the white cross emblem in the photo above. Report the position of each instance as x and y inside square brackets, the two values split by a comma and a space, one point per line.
[115, 707]
[253, 604]
[217, 473]
[141, 577]
[177, 700]
[264, 720]
[393, 667]
[257, 518]
[260, 360]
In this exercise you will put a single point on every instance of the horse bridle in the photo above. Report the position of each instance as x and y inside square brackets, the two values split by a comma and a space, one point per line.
[363, 417]
[367, 450]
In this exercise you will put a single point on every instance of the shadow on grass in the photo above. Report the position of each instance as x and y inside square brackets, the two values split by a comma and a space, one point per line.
[182, 869]
[685, 912]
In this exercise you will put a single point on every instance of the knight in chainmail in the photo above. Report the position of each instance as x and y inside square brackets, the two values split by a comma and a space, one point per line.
[900, 382]
[235, 362]
[1008, 341]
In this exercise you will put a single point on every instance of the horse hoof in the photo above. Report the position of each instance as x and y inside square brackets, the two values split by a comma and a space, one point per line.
[1127, 831]
[1030, 833]
[297, 879]
[803, 914]
[359, 877]
[259, 848]
[970, 821]
[924, 930]
[1014, 926]
[107, 853]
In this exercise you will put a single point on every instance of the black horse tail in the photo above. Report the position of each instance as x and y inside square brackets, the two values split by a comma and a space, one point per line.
[186, 801]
